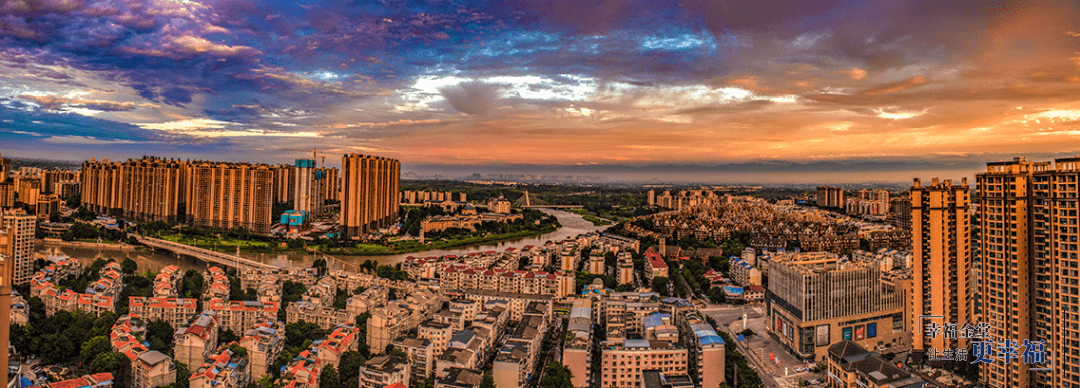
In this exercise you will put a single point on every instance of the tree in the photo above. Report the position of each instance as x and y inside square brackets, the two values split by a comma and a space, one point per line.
[129, 266]
[192, 284]
[660, 285]
[59, 349]
[297, 332]
[329, 378]
[487, 381]
[351, 361]
[225, 336]
[238, 351]
[556, 376]
[160, 335]
[110, 362]
[320, 265]
[183, 374]
[94, 347]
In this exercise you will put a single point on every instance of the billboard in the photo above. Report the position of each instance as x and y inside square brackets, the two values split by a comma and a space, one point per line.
[871, 330]
[821, 337]
[846, 333]
[860, 332]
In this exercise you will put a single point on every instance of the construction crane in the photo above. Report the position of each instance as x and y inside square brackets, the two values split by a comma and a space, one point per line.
[314, 154]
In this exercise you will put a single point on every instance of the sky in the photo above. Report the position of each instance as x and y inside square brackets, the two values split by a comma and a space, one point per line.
[882, 89]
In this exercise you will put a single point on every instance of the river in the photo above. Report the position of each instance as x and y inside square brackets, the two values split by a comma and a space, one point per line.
[572, 225]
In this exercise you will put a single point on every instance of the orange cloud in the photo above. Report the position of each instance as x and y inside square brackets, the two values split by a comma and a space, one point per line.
[894, 87]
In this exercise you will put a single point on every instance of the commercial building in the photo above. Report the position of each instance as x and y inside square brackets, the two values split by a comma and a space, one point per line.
[940, 261]
[815, 299]
[20, 227]
[369, 193]
[231, 195]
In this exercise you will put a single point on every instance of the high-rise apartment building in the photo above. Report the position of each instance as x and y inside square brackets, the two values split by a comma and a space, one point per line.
[329, 184]
[1027, 236]
[828, 196]
[231, 195]
[7, 195]
[20, 227]
[305, 197]
[148, 189]
[370, 189]
[5, 168]
[940, 261]
[284, 183]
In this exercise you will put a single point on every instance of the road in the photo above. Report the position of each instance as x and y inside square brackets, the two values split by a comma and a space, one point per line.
[758, 347]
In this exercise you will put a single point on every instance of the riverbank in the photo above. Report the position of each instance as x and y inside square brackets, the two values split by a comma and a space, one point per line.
[596, 221]
[87, 244]
[571, 225]
[361, 249]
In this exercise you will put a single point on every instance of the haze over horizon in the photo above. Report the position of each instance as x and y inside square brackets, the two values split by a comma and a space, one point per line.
[692, 90]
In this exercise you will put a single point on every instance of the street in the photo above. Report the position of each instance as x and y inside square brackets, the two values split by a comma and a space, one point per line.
[758, 347]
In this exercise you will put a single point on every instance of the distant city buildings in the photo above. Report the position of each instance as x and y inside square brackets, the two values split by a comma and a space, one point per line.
[828, 196]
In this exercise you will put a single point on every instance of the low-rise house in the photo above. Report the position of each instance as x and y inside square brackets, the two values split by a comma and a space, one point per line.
[195, 342]
[264, 342]
[381, 371]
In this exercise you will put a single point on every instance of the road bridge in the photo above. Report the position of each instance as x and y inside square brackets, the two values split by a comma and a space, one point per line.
[202, 254]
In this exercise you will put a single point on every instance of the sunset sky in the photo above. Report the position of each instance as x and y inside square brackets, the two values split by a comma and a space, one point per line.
[477, 84]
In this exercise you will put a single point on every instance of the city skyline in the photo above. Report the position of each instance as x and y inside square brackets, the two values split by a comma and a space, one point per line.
[552, 86]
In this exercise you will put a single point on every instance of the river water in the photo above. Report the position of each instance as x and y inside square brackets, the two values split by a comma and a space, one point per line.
[572, 225]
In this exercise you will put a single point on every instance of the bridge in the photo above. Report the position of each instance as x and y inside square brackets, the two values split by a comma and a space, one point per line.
[202, 254]
[525, 203]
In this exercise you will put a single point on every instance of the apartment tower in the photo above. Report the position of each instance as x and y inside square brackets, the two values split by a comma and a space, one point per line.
[1026, 234]
[940, 261]
[305, 198]
[231, 195]
[828, 196]
[20, 230]
[148, 189]
[369, 193]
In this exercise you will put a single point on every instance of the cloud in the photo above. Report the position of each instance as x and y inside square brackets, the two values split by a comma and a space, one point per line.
[54, 102]
[475, 98]
[894, 87]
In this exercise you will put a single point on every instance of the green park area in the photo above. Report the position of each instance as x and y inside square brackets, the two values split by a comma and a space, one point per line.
[533, 223]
